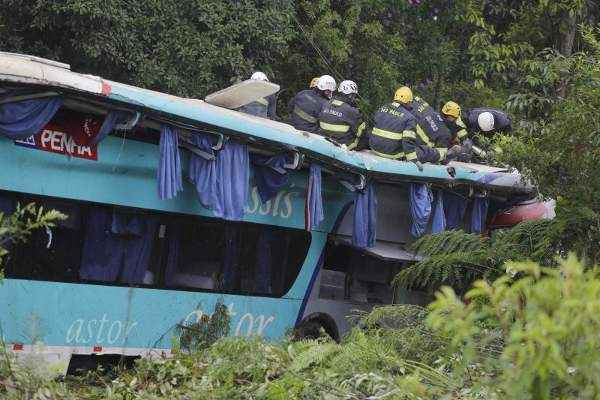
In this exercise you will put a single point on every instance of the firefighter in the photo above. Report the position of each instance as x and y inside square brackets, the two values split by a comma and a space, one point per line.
[264, 107]
[451, 116]
[340, 118]
[306, 105]
[391, 123]
[487, 120]
[431, 138]
[430, 123]
[477, 120]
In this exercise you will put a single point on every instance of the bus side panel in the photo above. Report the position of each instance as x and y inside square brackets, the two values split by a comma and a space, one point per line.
[125, 174]
[63, 314]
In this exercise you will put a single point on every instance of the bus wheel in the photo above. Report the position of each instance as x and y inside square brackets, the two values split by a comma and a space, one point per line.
[308, 330]
[314, 328]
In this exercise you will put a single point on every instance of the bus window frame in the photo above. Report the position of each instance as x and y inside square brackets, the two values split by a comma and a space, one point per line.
[162, 247]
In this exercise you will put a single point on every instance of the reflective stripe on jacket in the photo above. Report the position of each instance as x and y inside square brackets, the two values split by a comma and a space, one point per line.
[305, 108]
[431, 123]
[341, 122]
[457, 128]
[391, 124]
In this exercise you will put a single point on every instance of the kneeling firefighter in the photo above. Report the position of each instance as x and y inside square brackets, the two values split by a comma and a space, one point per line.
[432, 137]
[340, 118]
[451, 114]
[487, 120]
[307, 104]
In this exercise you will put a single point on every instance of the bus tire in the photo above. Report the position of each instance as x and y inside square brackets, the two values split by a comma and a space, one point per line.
[316, 326]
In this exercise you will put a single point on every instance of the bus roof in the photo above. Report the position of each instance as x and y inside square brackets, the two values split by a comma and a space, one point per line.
[22, 69]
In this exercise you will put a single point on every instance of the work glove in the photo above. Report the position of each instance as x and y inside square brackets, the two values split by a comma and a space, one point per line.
[453, 152]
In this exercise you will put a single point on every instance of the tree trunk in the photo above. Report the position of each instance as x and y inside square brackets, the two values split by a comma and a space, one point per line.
[568, 35]
[567, 39]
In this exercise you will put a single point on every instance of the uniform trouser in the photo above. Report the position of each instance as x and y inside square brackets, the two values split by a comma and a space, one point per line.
[427, 154]
[383, 146]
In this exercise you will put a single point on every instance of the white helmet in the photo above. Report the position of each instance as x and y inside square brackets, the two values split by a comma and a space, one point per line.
[326, 82]
[348, 87]
[485, 120]
[259, 76]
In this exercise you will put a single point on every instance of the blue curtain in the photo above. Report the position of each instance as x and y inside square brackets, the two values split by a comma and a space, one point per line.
[439, 218]
[117, 246]
[420, 208]
[203, 173]
[269, 174]
[113, 118]
[233, 181]
[222, 184]
[365, 217]
[313, 212]
[479, 214]
[169, 167]
[454, 208]
[24, 118]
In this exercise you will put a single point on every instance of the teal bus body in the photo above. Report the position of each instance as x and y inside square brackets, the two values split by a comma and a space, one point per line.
[236, 123]
[87, 315]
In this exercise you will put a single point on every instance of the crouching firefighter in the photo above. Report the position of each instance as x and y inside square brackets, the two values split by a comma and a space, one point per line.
[306, 105]
[390, 124]
[340, 119]
[432, 137]
[451, 114]
[487, 120]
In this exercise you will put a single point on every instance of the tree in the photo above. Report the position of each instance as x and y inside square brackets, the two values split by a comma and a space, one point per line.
[188, 48]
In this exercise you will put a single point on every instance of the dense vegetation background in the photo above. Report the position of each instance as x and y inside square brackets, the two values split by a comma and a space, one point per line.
[528, 329]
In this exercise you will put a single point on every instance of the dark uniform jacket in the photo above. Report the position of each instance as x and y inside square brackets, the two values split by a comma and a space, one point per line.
[390, 124]
[457, 128]
[305, 109]
[502, 122]
[341, 122]
[430, 123]
[264, 107]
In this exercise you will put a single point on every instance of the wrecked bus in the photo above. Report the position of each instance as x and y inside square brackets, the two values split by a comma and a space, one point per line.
[176, 204]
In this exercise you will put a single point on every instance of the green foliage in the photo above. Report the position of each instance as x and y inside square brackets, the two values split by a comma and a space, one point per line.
[188, 48]
[547, 321]
[18, 226]
[206, 331]
[457, 259]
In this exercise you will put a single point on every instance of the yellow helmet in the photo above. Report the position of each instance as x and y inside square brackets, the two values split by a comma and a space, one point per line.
[403, 95]
[452, 109]
[314, 81]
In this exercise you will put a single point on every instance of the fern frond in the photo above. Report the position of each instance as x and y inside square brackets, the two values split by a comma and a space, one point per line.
[315, 353]
[449, 242]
